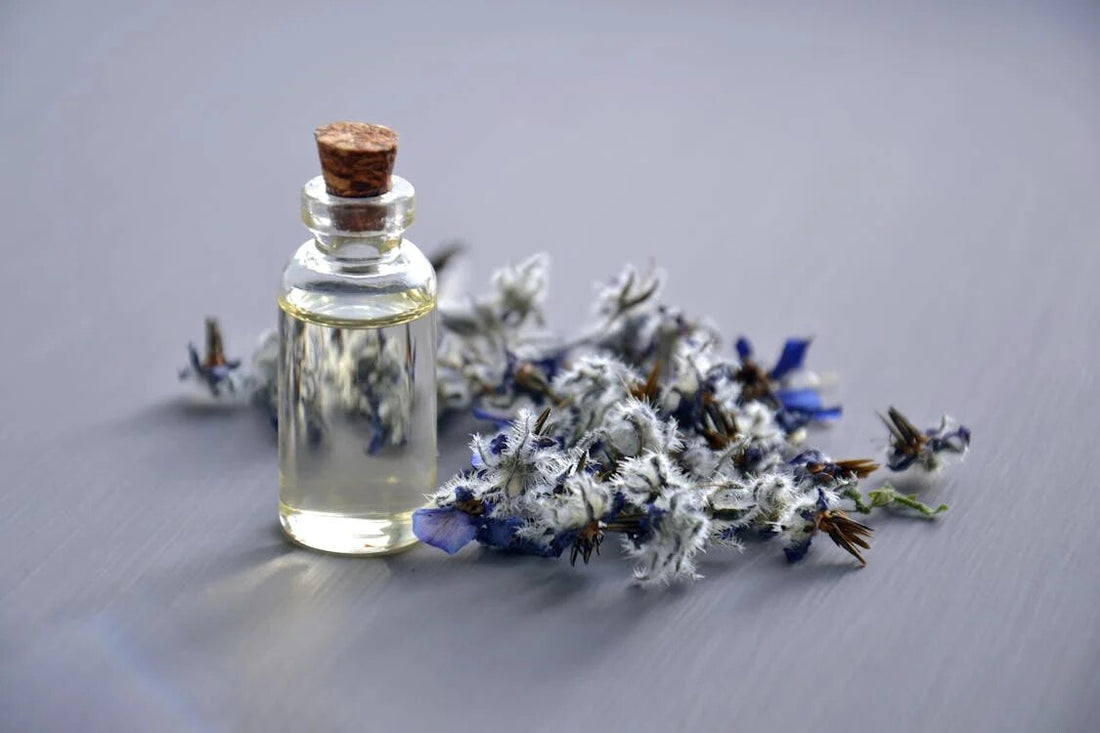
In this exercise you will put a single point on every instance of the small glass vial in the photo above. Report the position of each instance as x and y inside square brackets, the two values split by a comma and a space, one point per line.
[357, 329]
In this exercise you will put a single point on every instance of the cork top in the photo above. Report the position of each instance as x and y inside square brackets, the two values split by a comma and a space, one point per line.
[356, 158]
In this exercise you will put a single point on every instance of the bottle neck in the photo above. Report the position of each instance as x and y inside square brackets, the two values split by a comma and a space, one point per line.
[354, 230]
[356, 249]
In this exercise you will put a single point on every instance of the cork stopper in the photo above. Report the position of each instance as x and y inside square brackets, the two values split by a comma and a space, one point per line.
[356, 158]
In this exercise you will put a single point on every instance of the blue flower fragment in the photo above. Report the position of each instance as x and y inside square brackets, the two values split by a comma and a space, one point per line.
[530, 378]
[499, 419]
[847, 533]
[378, 436]
[813, 465]
[503, 533]
[795, 407]
[910, 447]
[449, 529]
[452, 528]
[798, 549]
[791, 359]
[213, 369]
[800, 407]
[496, 446]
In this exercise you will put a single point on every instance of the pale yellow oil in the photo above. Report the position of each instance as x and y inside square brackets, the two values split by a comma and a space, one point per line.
[357, 426]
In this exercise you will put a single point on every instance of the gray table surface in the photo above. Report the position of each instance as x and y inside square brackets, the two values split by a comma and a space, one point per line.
[915, 184]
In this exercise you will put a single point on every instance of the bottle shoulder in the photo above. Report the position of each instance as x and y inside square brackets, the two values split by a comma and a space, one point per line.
[393, 288]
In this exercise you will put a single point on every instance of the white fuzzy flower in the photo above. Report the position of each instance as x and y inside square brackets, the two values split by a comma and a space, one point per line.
[629, 291]
[756, 421]
[515, 458]
[760, 444]
[732, 496]
[579, 500]
[447, 494]
[679, 528]
[649, 475]
[697, 458]
[631, 428]
[691, 362]
[521, 288]
[774, 501]
[590, 387]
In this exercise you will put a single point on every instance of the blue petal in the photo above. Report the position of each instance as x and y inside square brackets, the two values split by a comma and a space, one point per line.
[800, 399]
[502, 421]
[955, 441]
[793, 418]
[193, 357]
[498, 444]
[807, 456]
[559, 543]
[798, 550]
[744, 348]
[794, 353]
[898, 461]
[522, 546]
[689, 410]
[729, 533]
[545, 441]
[377, 438]
[550, 365]
[498, 532]
[448, 529]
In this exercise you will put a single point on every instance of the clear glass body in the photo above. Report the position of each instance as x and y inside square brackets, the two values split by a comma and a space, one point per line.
[357, 412]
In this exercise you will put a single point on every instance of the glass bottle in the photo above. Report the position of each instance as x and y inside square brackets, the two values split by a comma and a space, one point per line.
[357, 394]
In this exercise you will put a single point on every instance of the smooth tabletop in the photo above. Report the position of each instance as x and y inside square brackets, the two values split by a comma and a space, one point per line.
[914, 184]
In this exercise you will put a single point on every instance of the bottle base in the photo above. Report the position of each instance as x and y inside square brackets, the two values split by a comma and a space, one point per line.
[348, 534]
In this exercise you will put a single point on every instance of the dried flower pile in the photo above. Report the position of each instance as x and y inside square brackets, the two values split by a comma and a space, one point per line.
[643, 426]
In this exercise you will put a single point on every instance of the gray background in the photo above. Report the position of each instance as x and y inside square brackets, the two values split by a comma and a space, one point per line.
[915, 184]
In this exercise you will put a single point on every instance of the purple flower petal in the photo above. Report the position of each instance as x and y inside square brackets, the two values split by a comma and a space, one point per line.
[446, 528]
